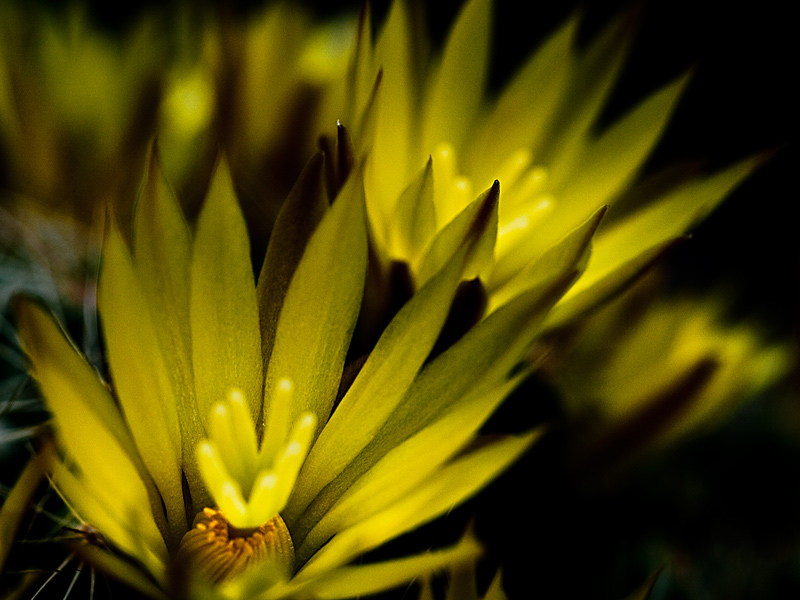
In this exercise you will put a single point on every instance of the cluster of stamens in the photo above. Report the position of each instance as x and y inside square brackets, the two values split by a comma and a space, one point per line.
[223, 551]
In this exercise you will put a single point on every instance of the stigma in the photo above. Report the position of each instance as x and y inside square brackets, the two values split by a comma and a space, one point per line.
[223, 551]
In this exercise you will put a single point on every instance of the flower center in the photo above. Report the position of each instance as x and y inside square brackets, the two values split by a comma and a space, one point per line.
[252, 484]
[223, 551]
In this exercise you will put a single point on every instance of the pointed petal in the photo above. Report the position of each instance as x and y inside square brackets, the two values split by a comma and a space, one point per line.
[474, 367]
[456, 91]
[571, 252]
[140, 377]
[162, 249]
[387, 374]
[452, 485]
[486, 355]
[402, 470]
[480, 215]
[572, 306]
[414, 218]
[16, 504]
[88, 422]
[610, 162]
[669, 216]
[128, 525]
[351, 581]
[594, 78]
[320, 310]
[525, 108]
[396, 57]
[299, 216]
[495, 591]
[633, 243]
[226, 340]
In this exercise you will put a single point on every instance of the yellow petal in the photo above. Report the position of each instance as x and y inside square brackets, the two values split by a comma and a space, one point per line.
[403, 469]
[481, 359]
[475, 367]
[561, 146]
[351, 581]
[88, 423]
[128, 525]
[298, 218]
[141, 378]
[479, 216]
[610, 162]
[396, 55]
[571, 252]
[573, 305]
[162, 250]
[320, 310]
[525, 108]
[633, 243]
[16, 504]
[226, 340]
[495, 591]
[414, 218]
[456, 91]
[387, 374]
[451, 486]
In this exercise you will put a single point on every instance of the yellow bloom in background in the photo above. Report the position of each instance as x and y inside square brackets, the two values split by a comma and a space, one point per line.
[279, 69]
[212, 444]
[77, 107]
[655, 368]
[433, 139]
[260, 87]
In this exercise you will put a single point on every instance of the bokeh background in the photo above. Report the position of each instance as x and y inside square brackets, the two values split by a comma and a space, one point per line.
[719, 512]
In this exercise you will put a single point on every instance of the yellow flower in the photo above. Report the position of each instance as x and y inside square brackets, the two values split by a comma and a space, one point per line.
[260, 87]
[76, 106]
[655, 368]
[214, 436]
[434, 138]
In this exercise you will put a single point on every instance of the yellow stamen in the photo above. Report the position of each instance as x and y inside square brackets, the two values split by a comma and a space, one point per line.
[223, 551]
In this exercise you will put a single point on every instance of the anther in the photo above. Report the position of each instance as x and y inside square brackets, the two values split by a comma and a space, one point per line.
[222, 551]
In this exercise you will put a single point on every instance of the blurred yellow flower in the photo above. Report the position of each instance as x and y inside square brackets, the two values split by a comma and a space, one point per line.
[261, 88]
[77, 107]
[655, 368]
